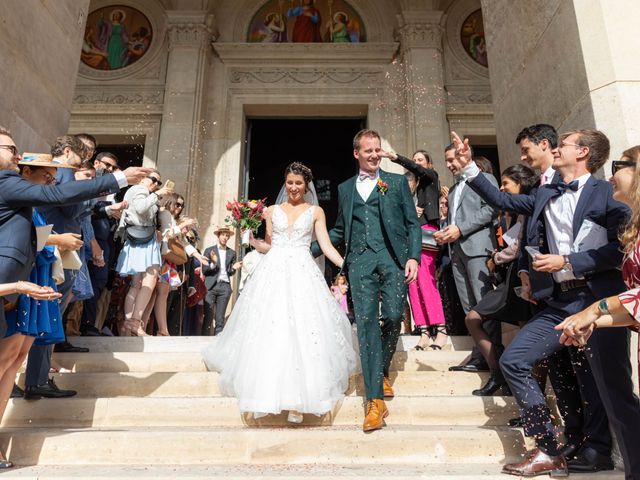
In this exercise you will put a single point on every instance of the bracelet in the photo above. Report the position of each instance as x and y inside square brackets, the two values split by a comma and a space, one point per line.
[603, 307]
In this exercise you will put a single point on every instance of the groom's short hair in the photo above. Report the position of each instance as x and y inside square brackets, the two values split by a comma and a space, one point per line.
[367, 132]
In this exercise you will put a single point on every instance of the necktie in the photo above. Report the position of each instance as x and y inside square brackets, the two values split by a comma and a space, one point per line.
[562, 187]
[364, 175]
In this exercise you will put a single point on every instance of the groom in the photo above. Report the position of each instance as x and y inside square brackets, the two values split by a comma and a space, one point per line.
[378, 224]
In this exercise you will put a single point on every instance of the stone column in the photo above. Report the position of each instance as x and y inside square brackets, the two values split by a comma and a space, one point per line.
[179, 148]
[420, 35]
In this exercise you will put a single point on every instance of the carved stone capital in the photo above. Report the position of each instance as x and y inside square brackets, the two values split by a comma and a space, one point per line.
[420, 35]
[189, 30]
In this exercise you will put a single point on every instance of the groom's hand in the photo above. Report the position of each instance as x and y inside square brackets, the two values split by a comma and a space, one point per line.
[410, 271]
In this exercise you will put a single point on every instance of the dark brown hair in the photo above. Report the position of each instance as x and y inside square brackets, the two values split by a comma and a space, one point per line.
[298, 168]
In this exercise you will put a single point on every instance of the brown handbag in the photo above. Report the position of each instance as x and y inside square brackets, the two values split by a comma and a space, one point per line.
[176, 254]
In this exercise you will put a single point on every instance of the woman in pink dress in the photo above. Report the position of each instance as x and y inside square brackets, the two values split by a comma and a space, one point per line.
[622, 310]
[339, 290]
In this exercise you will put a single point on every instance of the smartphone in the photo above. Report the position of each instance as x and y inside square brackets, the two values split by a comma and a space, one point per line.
[169, 184]
[533, 251]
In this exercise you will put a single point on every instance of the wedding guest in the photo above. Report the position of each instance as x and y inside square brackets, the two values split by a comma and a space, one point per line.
[424, 296]
[90, 145]
[470, 235]
[339, 289]
[567, 277]
[502, 303]
[218, 275]
[171, 207]
[140, 257]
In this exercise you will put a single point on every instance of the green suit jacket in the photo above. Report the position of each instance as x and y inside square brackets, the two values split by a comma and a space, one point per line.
[400, 223]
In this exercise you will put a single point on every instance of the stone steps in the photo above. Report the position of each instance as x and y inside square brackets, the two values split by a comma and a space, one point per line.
[418, 445]
[277, 472]
[122, 412]
[199, 384]
[192, 361]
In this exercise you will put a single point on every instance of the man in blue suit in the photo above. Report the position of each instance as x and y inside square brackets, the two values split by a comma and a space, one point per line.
[569, 276]
[19, 196]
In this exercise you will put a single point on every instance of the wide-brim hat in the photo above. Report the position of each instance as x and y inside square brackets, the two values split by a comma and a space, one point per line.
[41, 160]
[223, 229]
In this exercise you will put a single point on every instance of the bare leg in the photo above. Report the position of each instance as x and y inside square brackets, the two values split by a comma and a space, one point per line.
[147, 313]
[483, 342]
[160, 308]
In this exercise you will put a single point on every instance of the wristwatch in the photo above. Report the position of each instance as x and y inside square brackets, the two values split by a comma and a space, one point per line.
[567, 264]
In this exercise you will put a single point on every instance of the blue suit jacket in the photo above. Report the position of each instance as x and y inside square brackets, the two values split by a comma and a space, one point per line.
[17, 198]
[600, 267]
[65, 218]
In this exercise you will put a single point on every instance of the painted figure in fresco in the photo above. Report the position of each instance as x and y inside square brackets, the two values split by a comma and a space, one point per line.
[478, 49]
[306, 28]
[338, 28]
[275, 28]
[114, 38]
[92, 55]
[140, 41]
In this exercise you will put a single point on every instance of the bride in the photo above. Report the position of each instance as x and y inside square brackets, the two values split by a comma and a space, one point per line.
[287, 344]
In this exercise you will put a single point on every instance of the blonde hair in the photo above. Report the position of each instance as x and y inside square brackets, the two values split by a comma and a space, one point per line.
[339, 276]
[629, 236]
[5, 132]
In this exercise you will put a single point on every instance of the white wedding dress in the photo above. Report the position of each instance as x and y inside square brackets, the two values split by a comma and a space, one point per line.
[287, 344]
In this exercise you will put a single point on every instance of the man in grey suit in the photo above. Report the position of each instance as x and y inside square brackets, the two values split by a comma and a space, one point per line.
[471, 238]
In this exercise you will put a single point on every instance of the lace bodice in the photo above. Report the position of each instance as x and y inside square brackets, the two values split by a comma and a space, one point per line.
[296, 235]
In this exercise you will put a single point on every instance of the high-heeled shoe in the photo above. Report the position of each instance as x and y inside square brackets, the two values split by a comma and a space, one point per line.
[495, 383]
[135, 328]
[423, 333]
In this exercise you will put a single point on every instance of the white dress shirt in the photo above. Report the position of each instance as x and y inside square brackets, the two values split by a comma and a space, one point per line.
[558, 214]
[366, 186]
[547, 176]
[222, 261]
[457, 193]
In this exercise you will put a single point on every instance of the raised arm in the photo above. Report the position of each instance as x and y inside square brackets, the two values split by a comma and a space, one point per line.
[263, 246]
[320, 225]
[426, 175]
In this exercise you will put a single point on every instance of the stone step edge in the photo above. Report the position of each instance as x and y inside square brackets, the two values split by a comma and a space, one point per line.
[446, 471]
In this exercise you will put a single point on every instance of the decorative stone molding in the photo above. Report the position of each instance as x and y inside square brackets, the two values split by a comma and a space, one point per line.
[120, 98]
[421, 35]
[473, 97]
[303, 76]
[189, 29]
[246, 54]
[456, 16]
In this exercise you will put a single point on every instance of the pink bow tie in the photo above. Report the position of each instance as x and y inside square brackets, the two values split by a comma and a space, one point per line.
[364, 175]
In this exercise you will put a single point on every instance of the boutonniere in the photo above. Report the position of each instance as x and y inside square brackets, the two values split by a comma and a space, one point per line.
[382, 186]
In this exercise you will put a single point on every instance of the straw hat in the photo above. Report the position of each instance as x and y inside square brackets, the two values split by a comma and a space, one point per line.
[223, 229]
[41, 160]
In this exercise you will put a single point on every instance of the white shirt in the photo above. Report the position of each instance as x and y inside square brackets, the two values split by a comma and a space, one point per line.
[222, 261]
[547, 176]
[457, 193]
[558, 214]
[366, 186]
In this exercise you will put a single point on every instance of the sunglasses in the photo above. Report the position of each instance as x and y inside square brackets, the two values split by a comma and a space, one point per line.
[181, 205]
[620, 164]
[12, 148]
[108, 166]
[155, 180]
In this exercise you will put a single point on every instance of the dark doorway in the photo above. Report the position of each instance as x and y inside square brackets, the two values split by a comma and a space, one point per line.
[129, 155]
[490, 152]
[324, 145]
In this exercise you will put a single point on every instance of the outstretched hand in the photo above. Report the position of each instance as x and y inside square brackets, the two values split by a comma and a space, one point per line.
[463, 151]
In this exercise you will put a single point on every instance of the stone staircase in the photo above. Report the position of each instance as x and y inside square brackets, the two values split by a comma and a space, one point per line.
[147, 408]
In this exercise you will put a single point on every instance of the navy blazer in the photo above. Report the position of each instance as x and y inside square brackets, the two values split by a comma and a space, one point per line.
[65, 218]
[600, 267]
[17, 198]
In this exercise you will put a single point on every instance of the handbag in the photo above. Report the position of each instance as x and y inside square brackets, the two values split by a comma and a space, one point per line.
[57, 270]
[201, 290]
[139, 235]
[176, 253]
[428, 242]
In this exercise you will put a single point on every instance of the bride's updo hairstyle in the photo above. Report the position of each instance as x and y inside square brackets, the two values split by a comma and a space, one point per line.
[298, 168]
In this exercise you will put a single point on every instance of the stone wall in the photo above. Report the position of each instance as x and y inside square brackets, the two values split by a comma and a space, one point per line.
[40, 44]
[568, 63]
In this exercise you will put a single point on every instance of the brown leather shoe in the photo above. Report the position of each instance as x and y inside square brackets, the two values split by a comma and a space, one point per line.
[387, 388]
[376, 411]
[538, 463]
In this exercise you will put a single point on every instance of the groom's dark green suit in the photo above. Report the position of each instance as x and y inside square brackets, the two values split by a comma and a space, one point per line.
[380, 235]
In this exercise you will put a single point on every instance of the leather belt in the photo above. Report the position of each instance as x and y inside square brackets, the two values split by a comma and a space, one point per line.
[571, 284]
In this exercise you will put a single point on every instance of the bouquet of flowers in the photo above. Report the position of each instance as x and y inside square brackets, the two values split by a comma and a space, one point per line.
[247, 215]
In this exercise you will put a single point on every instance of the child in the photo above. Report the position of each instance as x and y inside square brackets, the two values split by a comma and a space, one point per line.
[339, 290]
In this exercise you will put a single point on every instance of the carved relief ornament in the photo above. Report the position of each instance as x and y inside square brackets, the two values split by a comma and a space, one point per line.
[303, 75]
[416, 35]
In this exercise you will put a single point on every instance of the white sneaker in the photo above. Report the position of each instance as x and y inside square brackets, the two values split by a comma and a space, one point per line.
[295, 417]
